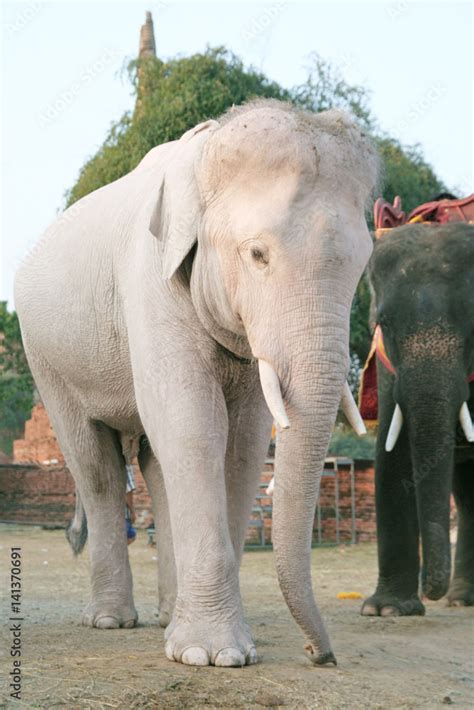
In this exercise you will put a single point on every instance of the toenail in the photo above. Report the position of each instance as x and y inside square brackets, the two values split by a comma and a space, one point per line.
[169, 651]
[106, 622]
[229, 658]
[252, 657]
[195, 656]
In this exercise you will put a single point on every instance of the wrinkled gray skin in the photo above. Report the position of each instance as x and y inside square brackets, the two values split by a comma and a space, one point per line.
[423, 279]
[143, 310]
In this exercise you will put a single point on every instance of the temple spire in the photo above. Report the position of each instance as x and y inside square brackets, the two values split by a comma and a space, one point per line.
[147, 38]
[147, 48]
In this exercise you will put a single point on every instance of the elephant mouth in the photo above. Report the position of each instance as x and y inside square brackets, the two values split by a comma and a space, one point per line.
[273, 396]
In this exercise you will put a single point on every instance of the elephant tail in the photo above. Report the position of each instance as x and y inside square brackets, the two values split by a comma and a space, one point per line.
[76, 531]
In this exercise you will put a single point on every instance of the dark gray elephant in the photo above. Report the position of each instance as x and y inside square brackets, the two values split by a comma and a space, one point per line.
[423, 279]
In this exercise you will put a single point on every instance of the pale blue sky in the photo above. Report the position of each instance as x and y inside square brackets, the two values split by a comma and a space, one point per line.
[62, 83]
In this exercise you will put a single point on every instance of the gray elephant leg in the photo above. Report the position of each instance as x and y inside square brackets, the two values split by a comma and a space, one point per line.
[190, 437]
[250, 426]
[461, 590]
[153, 476]
[397, 532]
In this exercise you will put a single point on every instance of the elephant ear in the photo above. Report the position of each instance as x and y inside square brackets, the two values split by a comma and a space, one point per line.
[177, 211]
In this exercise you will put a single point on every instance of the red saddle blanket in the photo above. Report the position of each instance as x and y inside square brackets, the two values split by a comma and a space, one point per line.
[387, 216]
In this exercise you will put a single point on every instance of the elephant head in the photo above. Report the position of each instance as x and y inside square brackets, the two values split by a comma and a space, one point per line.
[423, 280]
[273, 244]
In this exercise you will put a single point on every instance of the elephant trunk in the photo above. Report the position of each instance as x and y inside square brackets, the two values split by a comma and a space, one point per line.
[311, 396]
[431, 421]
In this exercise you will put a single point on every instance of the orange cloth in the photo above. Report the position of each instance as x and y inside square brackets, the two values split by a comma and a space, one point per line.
[368, 397]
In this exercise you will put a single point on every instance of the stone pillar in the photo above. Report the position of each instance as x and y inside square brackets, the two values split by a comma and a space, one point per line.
[147, 46]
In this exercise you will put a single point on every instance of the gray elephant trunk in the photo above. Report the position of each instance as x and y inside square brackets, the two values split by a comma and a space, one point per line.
[431, 424]
[311, 399]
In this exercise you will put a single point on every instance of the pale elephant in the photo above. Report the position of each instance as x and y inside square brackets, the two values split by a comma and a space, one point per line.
[156, 305]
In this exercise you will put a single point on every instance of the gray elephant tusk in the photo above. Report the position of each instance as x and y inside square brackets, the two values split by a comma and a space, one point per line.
[351, 410]
[395, 428]
[272, 393]
[466, 422]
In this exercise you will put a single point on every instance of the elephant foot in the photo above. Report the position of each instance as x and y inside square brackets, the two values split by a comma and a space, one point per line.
[109, 617]
[461, 593]
[207, 644]
[386, 604]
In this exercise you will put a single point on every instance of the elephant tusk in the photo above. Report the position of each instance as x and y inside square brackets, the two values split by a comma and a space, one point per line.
[272, 393]
[466, 422]
[271, 487]
[395, 428]
[351, 410]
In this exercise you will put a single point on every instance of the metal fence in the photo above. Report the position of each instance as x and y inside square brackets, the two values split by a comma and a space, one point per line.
[263, 511]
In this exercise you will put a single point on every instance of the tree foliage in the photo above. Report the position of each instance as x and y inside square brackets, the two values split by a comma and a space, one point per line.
[175, 95]
[406, 173]
[16, 382]
[326, 88]
[172, 97]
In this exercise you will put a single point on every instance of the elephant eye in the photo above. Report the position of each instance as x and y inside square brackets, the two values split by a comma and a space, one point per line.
[259, 256]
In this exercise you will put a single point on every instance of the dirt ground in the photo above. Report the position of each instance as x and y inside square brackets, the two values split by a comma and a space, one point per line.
[383, 663]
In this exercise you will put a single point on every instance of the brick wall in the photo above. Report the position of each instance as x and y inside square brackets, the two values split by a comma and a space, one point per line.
[324, 529]
[39, 444]
[38, 488]
[46, 495]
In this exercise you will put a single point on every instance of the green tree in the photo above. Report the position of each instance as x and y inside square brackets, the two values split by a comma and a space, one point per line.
[406, 173]
[175, 95]
[16, 382]
[172, 97]
[326, 88]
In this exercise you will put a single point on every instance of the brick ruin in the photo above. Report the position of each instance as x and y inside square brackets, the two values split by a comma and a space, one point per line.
[37, 488]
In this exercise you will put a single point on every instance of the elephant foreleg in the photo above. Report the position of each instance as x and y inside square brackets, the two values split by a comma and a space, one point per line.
[189, 438]
[461, 590]
[153, 476]
[397, 533]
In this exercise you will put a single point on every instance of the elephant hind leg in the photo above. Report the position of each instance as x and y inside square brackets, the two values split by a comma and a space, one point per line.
[151, 471]
[461, 590]
[93, 454]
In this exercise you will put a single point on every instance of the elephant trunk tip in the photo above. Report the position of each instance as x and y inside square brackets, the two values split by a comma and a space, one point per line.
[435, 587]
[436, 573]
[319, 659]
